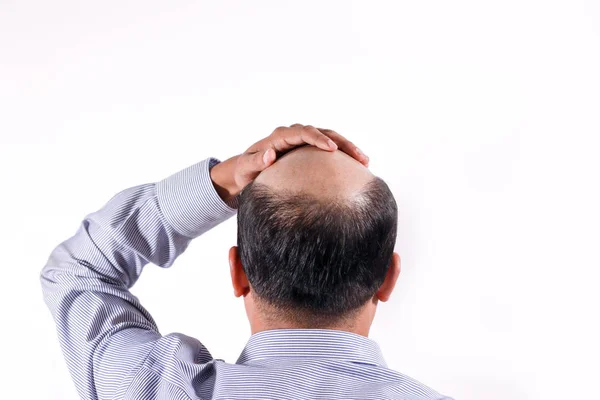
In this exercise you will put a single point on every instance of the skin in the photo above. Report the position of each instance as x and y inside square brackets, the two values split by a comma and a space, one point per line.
[299, 159]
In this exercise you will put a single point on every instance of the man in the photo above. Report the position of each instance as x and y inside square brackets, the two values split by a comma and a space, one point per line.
[316, 232]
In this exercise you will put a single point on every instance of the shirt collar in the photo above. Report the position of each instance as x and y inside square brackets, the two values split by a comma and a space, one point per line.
[312, 343]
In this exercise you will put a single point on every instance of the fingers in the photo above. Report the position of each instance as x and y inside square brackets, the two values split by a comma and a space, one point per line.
[286, 138]
[346, 146]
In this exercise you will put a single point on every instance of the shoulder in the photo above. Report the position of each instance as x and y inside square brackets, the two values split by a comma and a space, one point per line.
[177, 364]
[177, 349]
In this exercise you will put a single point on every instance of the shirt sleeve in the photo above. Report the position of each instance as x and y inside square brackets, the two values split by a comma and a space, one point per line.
[104, 331]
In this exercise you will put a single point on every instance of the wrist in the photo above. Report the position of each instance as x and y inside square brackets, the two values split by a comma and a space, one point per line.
[189, 202]
[223, 179]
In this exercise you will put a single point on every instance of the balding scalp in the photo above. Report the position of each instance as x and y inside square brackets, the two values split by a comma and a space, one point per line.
[311, 252]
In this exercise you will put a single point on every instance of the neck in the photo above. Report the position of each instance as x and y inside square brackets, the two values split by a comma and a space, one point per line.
[259, 327]
[267, 318]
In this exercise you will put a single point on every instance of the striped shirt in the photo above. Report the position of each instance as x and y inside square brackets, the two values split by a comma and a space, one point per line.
[112, 345]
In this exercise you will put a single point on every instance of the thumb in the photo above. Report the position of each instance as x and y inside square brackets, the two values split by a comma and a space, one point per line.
[254, 163]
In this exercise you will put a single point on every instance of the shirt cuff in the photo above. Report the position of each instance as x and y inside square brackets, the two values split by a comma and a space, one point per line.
[190, 202]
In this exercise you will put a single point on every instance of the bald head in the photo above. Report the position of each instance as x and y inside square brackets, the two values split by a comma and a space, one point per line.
[316, 172]
[316, 233]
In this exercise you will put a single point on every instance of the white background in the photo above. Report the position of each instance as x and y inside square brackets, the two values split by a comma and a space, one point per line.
[482, 116]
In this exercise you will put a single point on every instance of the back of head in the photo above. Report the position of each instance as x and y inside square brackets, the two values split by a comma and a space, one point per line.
[316, 236]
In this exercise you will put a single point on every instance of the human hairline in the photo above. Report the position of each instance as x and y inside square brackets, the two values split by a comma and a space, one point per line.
[357, 197]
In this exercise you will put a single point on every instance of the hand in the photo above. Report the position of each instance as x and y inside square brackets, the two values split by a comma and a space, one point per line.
[232, 175]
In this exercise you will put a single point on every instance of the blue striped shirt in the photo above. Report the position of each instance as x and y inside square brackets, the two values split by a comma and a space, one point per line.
[113, 347]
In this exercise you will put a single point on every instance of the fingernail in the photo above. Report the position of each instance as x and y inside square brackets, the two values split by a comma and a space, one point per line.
[359, 151]
[331, 144]
[267, 156]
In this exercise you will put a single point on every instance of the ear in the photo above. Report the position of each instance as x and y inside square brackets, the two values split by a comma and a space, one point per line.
[241, 286]
[385, 290]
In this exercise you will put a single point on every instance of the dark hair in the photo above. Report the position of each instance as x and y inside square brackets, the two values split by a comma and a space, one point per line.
[317, 257]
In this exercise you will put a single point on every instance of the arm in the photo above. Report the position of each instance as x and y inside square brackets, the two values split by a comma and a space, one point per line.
[104, 332]
[86, 279]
